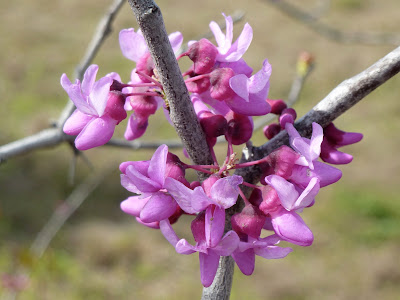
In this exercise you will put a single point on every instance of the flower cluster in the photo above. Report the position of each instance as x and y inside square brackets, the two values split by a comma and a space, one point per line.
[225, 95]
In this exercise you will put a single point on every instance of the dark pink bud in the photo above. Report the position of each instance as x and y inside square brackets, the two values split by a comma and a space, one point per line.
[272, 130]
[115, 106]
[144, 106]
[248, 222]
[145, 65]
[212, 124]
[198, 227]
[175, 169]
[280, 162]
[277, 106]
[256, 197]
[288, 116]
[203, 54]
[338, 137]
[194, 184]
[220, 88]
[270, 200]
[240, 128]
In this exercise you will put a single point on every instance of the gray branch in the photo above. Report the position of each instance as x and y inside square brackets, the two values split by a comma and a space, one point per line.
[312, 22]
[149, 18]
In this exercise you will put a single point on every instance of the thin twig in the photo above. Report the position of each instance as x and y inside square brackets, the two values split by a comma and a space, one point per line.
[53, 136]
[327, 31]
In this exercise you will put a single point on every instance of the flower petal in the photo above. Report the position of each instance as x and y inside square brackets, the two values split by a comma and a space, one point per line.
[208, 267]
[158, 164]
[133, 45]
[89, 78]
[245, 261]
[133, 205]
[159, 207]
[225, 191]
[285, 190]
[76, 122]
[96, 133]
[168, 232]
[214, 225]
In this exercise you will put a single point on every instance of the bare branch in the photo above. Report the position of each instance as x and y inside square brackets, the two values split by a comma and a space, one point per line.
[311, 21]
[54, 136]
[149, 18]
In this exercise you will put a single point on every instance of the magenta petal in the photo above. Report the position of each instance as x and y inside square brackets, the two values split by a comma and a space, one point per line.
[136, 127]
[75, 94]
[159, 207]
[208, 267]
[285, 190]
[253, 107]
[245, 261]
[141, 181]
[240, 85]
[291, 227]
[154, 225]
[307, 196]
[349, 138]
[168, 232]
[141, 166]
[225, 191]
[76, 122]
[133, 45]
[89, 78]
[272, 252]
[183, 247]
[99, 94]
[176, 39]
[336, 157]
[228, 244]
[96, 133]
[129, 185]
[316, 140]
[133, 205]
[191, 201]
[325, 173]
[158, 164]
[240, 46]
[214, 225]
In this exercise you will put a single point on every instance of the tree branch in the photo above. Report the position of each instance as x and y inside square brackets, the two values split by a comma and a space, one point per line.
[149, 18]
[312, 22]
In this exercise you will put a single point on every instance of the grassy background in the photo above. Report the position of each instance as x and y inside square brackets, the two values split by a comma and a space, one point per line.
[103, 254]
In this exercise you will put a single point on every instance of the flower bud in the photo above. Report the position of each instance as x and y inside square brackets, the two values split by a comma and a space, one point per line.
[270, 200]
[271, 130]
[240, 128]
[213, 125]
[280, 162]
[115, 106]
[198, 227]
[277, 106]
[203, 54]
[248, 222]
[288, 116]
[220, 88]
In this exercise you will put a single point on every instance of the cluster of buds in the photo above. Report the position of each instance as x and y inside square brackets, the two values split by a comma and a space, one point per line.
[225, 95]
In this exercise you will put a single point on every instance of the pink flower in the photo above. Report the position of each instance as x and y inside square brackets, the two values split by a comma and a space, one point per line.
[228, 52]
[245, 253]
[207, 229]
[98, 110]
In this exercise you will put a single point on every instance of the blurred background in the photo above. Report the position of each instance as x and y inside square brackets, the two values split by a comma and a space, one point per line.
[101, 253]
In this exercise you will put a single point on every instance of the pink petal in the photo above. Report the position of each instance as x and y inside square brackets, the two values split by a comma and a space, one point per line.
[136, 127]
[76, 122]
[99, 95]
[159, 207]
[183, 247]
[228, 244]
[158, 164]
[308, 195]
[240, 85]
[225, 191]
[285, 190]
[133, 45]
[208, 267]
[89, 79]
[245, 261]
[291, 227]
[214, 225]
[168, 232]
[272, 252]
[75, 94]
[191, 201]
[141, 181]
[241, 45]
[176, 39]
[133, 205]
[96, 133]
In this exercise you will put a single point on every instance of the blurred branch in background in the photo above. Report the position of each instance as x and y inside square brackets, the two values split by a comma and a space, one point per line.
[59, 217]
[327, 31]
[55, 136]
